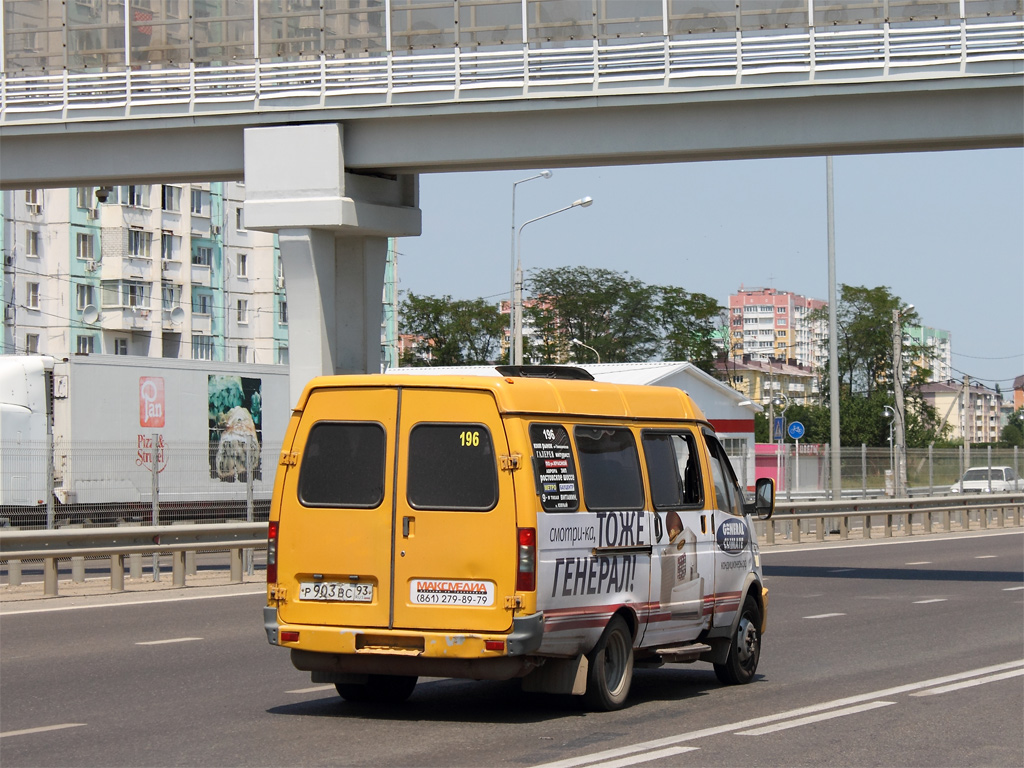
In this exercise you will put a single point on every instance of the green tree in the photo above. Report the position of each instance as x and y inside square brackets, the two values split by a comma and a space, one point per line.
[690, 322]
[451, 332]
[610, 311]
[1013, 432]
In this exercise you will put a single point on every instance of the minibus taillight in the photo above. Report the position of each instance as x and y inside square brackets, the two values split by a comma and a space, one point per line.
[526, 572]
[272, 529]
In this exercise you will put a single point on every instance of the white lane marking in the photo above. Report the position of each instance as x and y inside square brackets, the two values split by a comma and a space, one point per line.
[824, 616]
[16, 612]
[985, 557]
[315, 689]
[1012, 589]
[920, 562]
[793, 713]
[645, 758]
[815, 718]
[970, 683]
[41, 729]
[170, 640]
[932, 600]
[842, 570]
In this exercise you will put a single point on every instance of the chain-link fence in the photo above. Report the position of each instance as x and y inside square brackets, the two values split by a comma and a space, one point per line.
[144, 481]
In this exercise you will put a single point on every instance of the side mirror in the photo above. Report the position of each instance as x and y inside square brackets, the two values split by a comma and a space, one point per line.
[764, 498]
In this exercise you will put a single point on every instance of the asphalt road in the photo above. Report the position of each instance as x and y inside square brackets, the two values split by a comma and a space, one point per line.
[900, 653]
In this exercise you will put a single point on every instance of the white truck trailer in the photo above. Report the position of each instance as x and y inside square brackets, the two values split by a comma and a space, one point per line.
[103, 438]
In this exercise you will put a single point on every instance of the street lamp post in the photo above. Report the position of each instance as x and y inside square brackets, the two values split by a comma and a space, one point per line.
[890, 413]
[579, 343]
[899, 443]
[545, 174]
[780, 401]
[517, 292]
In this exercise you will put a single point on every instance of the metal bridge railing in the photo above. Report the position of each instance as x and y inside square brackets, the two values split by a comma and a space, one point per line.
[671, 63]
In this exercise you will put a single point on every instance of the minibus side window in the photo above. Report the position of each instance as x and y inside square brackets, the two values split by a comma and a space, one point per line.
[730, 499]
[554, 469]
[609, 468]
[452, 466]
[343, 465]
[673, 469]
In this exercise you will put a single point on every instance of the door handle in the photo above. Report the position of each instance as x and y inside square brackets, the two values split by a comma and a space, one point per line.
[407, 525]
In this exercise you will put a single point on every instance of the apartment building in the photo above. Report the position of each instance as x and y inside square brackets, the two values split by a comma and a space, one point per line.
[156, 270]
[974, 412]
[765, 323]
[761, 380]
[937, 355]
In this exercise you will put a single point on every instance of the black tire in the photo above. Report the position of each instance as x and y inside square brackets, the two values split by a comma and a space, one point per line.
[745, 648]
[610, 668]
[378, 689]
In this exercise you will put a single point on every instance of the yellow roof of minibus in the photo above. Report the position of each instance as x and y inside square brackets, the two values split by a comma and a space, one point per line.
[539, 395]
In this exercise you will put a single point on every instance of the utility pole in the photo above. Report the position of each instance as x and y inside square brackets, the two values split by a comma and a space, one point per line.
[899, 445]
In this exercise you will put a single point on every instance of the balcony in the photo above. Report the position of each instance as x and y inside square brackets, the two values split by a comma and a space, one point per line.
[201, 275]
[124, 318]
[202, 324]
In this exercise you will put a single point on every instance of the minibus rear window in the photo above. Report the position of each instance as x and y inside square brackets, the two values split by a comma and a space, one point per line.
[452, 466]
[343, 465]
[609, 468]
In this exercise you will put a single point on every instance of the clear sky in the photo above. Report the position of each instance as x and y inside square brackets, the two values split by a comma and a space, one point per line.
[942, 230]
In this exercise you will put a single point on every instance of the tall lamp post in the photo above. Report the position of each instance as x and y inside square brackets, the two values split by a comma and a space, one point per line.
[545, 174]
[899, 441]
[517, 294]
[780, 401]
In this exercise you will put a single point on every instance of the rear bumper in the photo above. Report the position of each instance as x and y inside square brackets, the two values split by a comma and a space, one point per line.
[349, 650]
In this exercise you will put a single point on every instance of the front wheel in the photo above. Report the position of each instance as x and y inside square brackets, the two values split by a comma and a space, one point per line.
[745, 649]
[378, 689]
[610, 668]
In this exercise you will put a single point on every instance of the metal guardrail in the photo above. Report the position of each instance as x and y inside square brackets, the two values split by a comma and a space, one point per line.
[51, 545]
[791, 518]
[723, 60]
[789, 523]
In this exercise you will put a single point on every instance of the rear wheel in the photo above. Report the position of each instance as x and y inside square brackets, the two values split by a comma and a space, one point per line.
[745, 649]
[379, 689]
[610, 667]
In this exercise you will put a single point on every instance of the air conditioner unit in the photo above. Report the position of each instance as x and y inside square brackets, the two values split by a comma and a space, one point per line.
[8, 315]
[93, 213]
[214, 230]
[91, 265]
[8, 260]
[280, 281]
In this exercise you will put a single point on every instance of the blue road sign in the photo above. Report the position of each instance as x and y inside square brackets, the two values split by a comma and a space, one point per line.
[778, 427]
[796, 430]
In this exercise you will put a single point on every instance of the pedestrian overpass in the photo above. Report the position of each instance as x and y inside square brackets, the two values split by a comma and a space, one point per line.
[329, 109]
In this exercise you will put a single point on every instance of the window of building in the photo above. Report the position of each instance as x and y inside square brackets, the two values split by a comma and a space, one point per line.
[134, 294]
[452, 466]
[202, 304]
[120, 346]
[282, 355]
[343, 465]
[202, 256]
[85, 345]
[84, 296]
[32, 242]
[243, 264]
[197, 201]
[239, 218]
[609, 468]
[32, 295]
[34, 201]
[32, 343]
[202, 348]
[137, 196]
[284, 313]
[170, 198]
[242, 312]
[243, 353]
[140, 244]
[84, 197]
[170, 246]
[781, 310]
[170, 295]
[84, 243]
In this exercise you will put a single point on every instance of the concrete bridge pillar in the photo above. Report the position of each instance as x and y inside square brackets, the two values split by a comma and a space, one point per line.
[333, 228]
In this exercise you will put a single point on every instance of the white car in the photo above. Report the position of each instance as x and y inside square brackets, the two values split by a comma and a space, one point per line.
[977, 480]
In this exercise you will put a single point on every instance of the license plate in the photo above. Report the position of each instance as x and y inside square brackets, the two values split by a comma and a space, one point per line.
[339, 591]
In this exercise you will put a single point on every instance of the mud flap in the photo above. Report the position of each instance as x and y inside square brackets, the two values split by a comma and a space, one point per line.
[559, 676]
